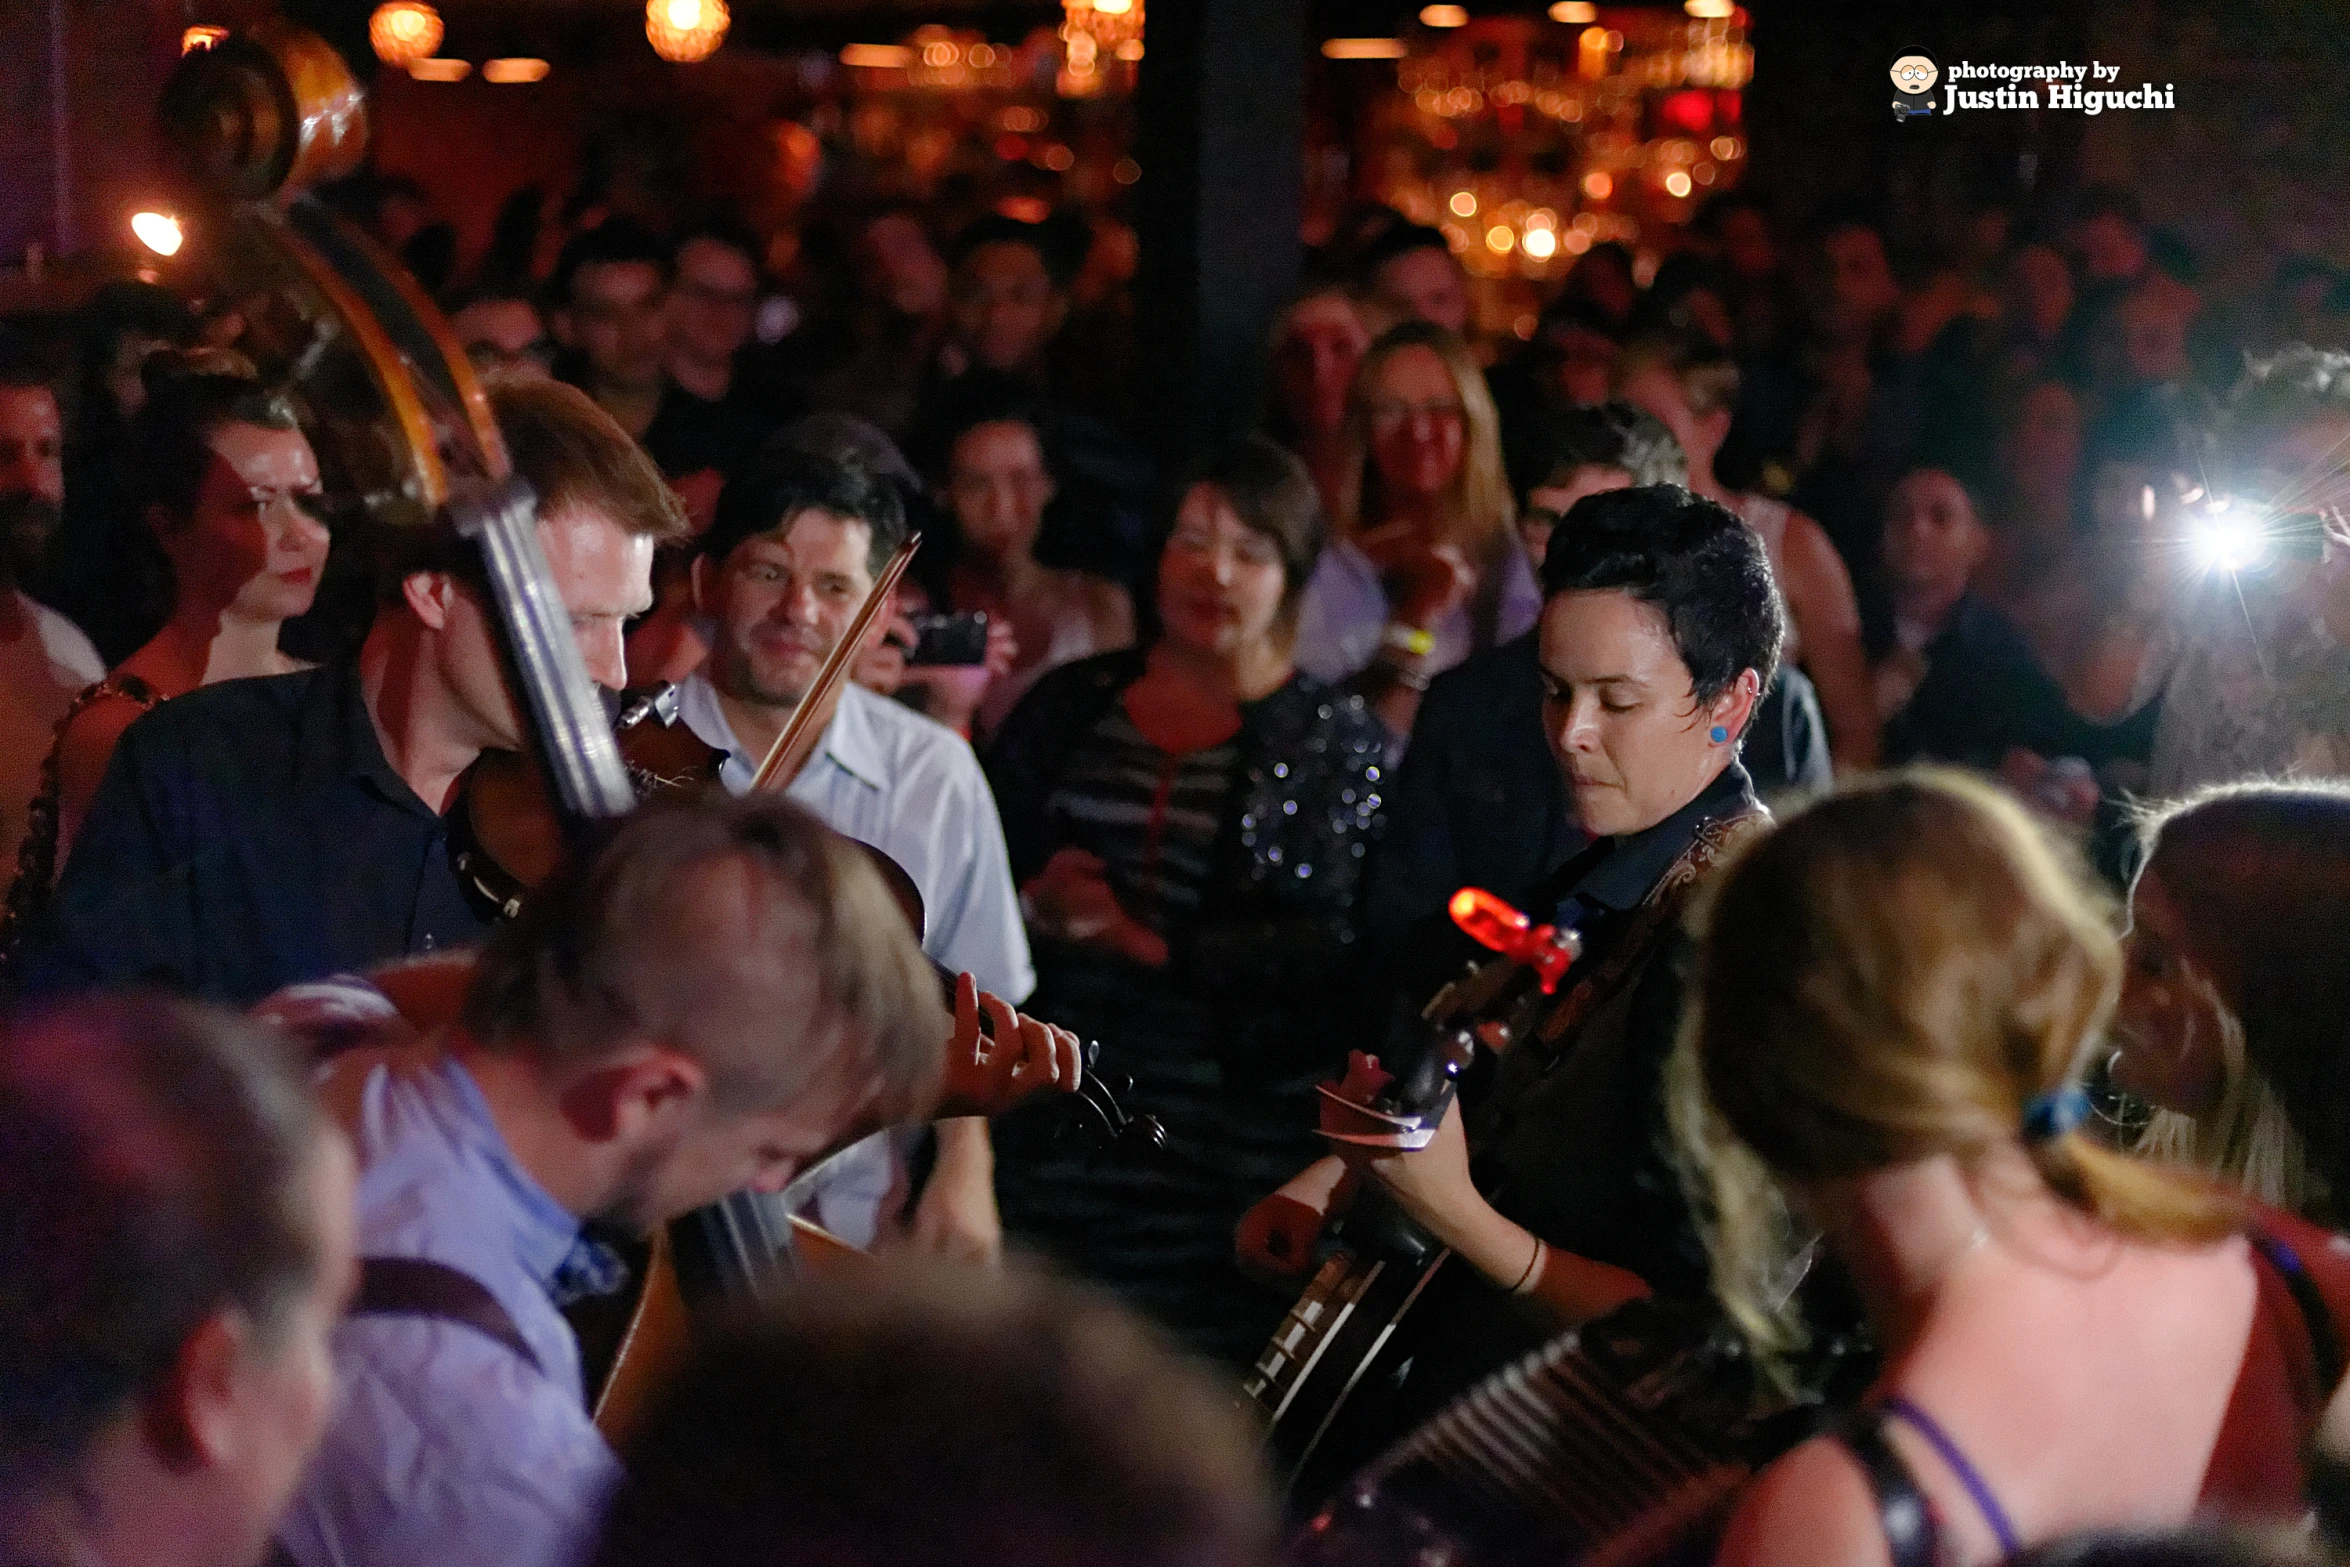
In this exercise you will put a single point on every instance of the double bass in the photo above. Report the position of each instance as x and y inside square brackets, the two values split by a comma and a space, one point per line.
[405, 438]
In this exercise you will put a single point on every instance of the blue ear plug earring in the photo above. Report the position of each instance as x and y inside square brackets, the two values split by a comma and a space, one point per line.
[1720, 735]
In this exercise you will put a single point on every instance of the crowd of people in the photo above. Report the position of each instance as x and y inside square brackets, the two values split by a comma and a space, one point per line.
[1927, 699]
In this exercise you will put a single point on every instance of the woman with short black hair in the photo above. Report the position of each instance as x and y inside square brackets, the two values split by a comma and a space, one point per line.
[1188, 824]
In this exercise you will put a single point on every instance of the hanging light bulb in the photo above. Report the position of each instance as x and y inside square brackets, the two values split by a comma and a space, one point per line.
[686, 30]
[404, 31]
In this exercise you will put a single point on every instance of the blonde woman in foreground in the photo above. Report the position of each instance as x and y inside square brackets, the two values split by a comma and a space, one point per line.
[1888, 1034]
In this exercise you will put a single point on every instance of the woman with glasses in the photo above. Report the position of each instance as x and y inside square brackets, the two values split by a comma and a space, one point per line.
[1188, 824]
[225, 494]
[1425, 569]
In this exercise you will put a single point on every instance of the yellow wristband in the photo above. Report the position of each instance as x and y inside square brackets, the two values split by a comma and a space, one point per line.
[1419, 643]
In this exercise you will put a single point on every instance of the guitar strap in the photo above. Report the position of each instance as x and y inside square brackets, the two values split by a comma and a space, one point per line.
[1712, 840]
[418, 1287]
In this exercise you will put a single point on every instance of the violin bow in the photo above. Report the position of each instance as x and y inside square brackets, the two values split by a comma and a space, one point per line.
[799, 736]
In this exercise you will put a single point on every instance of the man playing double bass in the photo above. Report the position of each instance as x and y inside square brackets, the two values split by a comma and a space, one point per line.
[257, 833]
[1660, 628]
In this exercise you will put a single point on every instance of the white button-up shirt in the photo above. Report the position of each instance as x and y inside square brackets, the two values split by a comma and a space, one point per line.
[909, 786]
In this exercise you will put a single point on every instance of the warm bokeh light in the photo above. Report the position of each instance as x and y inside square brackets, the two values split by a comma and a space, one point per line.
[1363, 49]
[158, 231]
[437, 69]
[685, 31]
[1541, 244]
[1710, 10]
[1598, 185]
[1444, 16]
[1677, 183]
[1501, 239]
[877, 57]
[404, 31]
[204, 35]
[1572, 12]
[1464, 204]
[515, 71]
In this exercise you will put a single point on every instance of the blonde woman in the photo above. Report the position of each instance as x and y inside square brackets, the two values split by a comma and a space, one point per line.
[2235, 1006]
[1894, 997]
[1424, 568]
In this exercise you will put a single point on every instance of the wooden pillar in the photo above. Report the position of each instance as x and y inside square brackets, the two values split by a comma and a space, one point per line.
[1220, 135]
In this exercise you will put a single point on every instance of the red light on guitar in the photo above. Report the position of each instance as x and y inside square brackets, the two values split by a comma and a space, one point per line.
[1493, 924]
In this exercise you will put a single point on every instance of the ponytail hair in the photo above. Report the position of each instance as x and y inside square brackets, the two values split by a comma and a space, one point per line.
[1909, 968]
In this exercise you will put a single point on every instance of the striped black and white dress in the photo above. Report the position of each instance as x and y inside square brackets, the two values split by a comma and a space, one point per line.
[1158, 1231]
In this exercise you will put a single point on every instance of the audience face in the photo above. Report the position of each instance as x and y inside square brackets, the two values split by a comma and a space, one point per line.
[1005, 306]
[1586, 365]
[1933, 541]
[1860, 286]
[504, 337]
[32, 444]
[1419, 427]
[1747, 244]
[1602, 278]
[254, 547]
[2040, 453]
[781, 601]
[2112, 249]
[2153, 332]
[998, 485]
[714, 301]
[1315, 362]
[32, 476]
[2170, 1021]
[1547, 505]
[1621, 713]
[907, 271]
[617, 318]
[1221, 586]
[2040, 289]
[1425, 285]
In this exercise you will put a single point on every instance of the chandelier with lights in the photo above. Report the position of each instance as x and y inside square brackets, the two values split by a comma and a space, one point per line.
[1095, 33]
[404, 31]
[686, 30]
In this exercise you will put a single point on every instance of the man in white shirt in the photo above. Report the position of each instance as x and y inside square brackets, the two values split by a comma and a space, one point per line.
[796, 546]
[44, 659]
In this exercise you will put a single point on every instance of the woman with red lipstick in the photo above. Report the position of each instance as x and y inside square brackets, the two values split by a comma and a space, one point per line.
[1424, 569]
[1188, 824]
[227, 486]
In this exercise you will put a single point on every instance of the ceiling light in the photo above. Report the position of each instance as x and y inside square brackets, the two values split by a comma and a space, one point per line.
[1710, 10]
[438, 69]
[686, 30]
[1363, 49]
[1444, 16]
[158, 231]
[514, 71]
[403, 31]
[878, 57]
[1574, 12]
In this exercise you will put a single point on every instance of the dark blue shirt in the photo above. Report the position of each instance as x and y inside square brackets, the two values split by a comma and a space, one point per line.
[249, 835]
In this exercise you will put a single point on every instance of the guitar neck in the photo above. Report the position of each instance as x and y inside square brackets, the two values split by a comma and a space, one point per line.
[567, 718]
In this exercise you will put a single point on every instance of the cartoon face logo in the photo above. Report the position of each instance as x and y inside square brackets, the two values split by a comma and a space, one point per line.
[1914, 75]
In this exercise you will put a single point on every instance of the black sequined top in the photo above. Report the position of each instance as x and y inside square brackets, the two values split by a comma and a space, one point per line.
[1247, 858]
